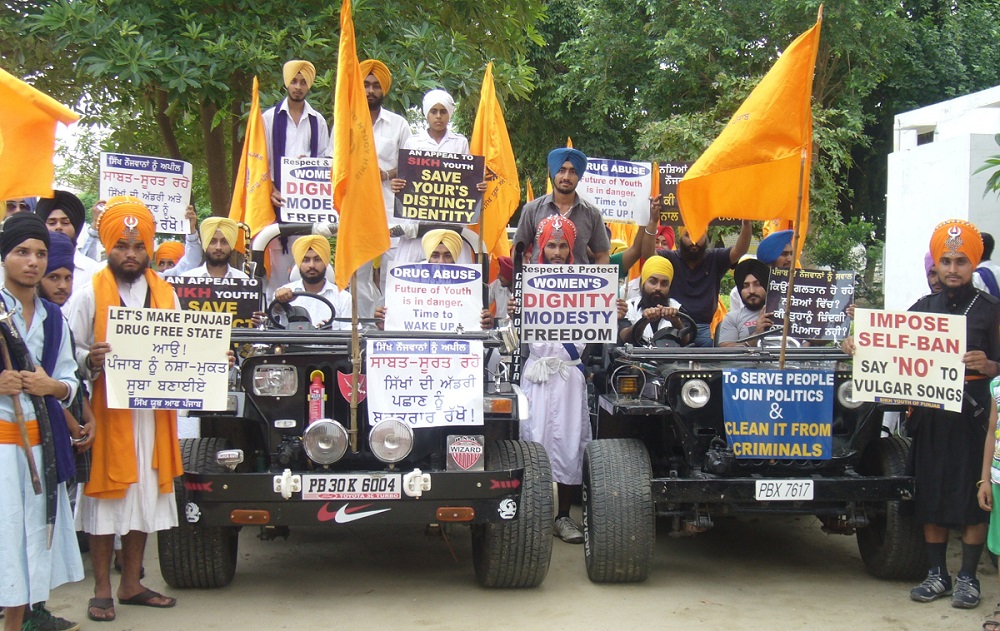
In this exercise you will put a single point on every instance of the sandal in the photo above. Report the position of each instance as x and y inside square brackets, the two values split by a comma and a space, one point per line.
[145, 599]
[106, 605]
[993, 622]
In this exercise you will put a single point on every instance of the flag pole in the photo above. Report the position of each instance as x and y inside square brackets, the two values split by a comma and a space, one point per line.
[791, 270]
[355, 362]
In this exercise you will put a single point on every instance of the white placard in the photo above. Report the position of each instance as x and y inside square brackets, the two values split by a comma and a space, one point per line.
[570, 303]
[308, 191]
[620, 189]
[434, 297]
[163, 184]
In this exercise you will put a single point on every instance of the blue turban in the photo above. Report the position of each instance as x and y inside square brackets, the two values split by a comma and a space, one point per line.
[61, 252]
[771, 248]
[558, 157]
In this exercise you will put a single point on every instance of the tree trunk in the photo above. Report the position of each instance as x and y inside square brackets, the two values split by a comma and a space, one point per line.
[166, 125]
[215, 161]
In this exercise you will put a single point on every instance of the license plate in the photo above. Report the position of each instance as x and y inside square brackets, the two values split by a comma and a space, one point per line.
[352, 486]
[782, 490]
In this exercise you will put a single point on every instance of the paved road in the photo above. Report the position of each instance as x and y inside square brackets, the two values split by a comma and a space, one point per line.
[747, 574]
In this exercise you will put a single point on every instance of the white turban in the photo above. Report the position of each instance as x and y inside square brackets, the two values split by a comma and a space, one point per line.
[439, 97]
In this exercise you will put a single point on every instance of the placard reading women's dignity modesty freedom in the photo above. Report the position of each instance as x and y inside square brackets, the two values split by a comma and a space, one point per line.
[163, 185]
[570, 303]
[167, 359]
[308, 192]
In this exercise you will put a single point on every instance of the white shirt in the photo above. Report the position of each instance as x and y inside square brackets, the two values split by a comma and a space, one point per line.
[297, 137]
[202, 272]
[977, 280]
[391, 134]
[85, 268]
[635, 314]
[319, 312]
[451, 143]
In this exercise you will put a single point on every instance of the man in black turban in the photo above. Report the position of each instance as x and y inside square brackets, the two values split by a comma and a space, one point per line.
[64, 213]
[748, 318]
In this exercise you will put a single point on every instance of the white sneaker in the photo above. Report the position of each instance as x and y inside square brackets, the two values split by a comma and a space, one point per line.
[567, 530]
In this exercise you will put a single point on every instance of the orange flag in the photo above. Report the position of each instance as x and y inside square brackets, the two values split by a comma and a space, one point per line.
[357, 182]
[252, 190]
[28, 130]
[528, 193]
[503, 191]
[755, 167]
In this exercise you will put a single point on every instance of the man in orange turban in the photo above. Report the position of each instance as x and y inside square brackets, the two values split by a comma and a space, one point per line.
[946, 453]
[167, 255]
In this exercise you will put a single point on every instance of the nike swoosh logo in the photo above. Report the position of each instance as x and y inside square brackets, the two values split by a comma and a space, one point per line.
[346, 515]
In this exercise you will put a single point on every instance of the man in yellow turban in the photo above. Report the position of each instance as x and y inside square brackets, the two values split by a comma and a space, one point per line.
[312, 258]
[653, 302]
[218, 235]
[442, 246]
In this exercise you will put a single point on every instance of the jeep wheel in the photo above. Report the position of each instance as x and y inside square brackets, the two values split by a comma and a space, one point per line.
[892, 545]
[191, 555]
[619, 524]
[517, 553]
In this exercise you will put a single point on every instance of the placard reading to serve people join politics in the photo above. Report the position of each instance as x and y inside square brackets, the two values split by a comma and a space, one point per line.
[778, 414]
[308, 191]
[909, 358]
[425, 383]
[433, 297]
[163, 185]
[819, 303]
[440, 187]
[620, 189]
[167, 359]
[569, 303]
[239, 297]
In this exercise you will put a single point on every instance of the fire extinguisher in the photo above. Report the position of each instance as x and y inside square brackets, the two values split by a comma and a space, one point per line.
[317, 395]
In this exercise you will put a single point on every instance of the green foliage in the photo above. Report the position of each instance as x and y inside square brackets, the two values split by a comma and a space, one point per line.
[851, 246]
[993, 162]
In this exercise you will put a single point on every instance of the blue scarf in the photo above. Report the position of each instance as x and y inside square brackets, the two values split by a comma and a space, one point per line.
[279, 130]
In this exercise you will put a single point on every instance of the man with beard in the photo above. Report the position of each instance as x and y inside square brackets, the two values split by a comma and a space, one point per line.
[218, 234]
[946, 452]
[312, 255]
[566, 167]
[653, 302]
[775, 251]
[698, 273]
[749, 318]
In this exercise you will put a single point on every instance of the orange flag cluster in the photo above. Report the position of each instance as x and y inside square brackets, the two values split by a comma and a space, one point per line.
[251, 202]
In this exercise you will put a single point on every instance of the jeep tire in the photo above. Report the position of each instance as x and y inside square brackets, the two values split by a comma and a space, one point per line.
[892, 545]
[619, 523]
[517, 553]
[192, 555]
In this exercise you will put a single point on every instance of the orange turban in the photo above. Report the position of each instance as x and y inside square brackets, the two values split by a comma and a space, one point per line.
[553, 228]
[296, 66]
[381, 72]
[957, 236]
[126, 217]
[170, 250]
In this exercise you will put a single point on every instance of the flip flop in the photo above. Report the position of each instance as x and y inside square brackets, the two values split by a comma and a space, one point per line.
[103, 604]
[145, 599]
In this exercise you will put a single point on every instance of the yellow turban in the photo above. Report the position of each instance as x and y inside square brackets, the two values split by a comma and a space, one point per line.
[957, 236]
[377, 68]
[126, 217]
[296, 66]
[229, 229]
[617, 245]
[657, 265]
[170, 250]
[449, 238]
[313, 242]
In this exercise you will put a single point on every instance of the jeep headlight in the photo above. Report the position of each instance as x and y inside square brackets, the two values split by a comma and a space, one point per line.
[695, 393]
[845, 396]
[325, 441]
[274, 380]
[391, 440]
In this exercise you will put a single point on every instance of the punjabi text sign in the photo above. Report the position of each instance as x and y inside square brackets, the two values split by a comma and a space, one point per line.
[308, 192]
[239, 297]
[619, 189]
[909, 358]
[164, 185]
[569, 303]
[433, 297]
[819, 303]
[778, 414]
[167, 359]
[440, 187]
[425, 383]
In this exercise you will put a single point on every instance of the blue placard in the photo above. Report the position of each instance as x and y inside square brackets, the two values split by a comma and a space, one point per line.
[778, 414]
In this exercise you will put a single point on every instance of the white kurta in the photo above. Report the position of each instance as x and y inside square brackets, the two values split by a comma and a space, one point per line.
[319, 312]
[558, 417]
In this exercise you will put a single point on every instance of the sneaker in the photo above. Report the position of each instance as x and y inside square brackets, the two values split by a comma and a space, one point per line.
[568, 531]
[966, 594]
[40, 618]
[934, 586]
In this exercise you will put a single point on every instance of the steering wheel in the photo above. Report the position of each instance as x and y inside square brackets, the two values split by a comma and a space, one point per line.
[668, 336]
[272, 315]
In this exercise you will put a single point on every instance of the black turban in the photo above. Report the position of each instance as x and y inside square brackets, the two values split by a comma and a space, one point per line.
[20, 227]
[753, 267]
[66, 202]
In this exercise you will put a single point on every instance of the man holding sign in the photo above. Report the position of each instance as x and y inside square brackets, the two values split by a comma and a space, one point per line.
[946, 451]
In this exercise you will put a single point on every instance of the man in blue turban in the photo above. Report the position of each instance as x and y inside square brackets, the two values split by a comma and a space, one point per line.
[776, 249]
[566, 167]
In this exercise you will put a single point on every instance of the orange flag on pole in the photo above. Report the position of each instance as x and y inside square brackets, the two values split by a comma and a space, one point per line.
[754, 168]
[357, 183]
[252, 191]
[503, 191]
[28, 120]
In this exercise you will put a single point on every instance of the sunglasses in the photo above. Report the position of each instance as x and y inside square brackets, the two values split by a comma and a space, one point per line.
[14, 205]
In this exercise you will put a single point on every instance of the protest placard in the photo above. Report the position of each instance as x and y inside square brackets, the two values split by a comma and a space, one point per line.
[819, 303]
[239, 297]
[620, 189]
[778, 414]
[440, 187]
[433, 297]
[308, 192]
[425, 383]
[570, 303]
[908, 358]
[164, 185]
